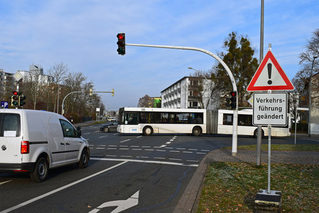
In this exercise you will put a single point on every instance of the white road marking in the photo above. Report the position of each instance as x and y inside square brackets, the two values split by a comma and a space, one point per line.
[111, 148]
[201, 153]
[160, 150]
[135, 146]
[181, 148]
[60, 189]
[121, 204]
[124, 148]
[126, 156]
[162, 146]
[136, 149]
[116, 134]
[113, 145]
[147, 161]
[205, 150]
[174, 151]
[196, 161]
[175, 159]
[1, 183]
[123, 145]
[149, 149]
[139, 136]
[146, 146]
[123, 141]
[193, 149]
[160, 158]
[99, 148]
[187, 152]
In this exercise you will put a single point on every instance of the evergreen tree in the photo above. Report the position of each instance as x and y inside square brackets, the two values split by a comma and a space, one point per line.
[239, 58]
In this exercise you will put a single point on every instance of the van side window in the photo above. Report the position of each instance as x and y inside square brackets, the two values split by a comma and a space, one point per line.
[9, 125]
[68, 129]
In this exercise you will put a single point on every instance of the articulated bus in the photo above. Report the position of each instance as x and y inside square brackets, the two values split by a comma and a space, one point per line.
[161, 120]
[245, 125]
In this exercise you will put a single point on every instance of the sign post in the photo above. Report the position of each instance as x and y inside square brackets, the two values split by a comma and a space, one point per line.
[269, 109]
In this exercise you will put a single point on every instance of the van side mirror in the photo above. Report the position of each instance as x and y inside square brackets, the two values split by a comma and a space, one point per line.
[79, 130]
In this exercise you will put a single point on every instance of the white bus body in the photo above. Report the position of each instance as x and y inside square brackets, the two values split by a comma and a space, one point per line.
[245, 126]
[161, 120]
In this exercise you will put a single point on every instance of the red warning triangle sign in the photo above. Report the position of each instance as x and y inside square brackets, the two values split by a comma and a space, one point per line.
[269, 76]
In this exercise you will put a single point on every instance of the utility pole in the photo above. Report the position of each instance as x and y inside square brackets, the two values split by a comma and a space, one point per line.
[261, 56]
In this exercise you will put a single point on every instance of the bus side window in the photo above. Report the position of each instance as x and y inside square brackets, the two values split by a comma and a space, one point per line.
[227, 119]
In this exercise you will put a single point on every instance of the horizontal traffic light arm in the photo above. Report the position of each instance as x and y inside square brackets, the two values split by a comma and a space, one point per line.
[230, 74]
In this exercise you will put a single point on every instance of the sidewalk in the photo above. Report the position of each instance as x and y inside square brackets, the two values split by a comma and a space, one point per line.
[187, 202]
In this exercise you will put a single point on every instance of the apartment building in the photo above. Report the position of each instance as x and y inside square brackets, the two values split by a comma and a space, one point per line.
[189, 92]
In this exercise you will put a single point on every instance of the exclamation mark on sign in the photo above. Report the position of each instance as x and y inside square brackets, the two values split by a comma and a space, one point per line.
[269, 73]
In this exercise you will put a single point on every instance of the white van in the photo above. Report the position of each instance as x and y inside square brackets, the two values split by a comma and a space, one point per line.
[34, 141]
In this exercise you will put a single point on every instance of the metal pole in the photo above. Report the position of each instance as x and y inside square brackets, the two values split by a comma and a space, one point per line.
[230, 75]
[261, 56]
[269, 156]
[296, 123]
[62, 111]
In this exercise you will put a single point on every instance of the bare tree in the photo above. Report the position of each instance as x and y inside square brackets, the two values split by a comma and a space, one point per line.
[310, 61]
[145, 101]
[59, 72]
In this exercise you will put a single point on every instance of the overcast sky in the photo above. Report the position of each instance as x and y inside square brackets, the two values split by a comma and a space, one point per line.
[82, 34]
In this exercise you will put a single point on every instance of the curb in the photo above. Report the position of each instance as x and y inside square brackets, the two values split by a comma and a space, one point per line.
[188, 200]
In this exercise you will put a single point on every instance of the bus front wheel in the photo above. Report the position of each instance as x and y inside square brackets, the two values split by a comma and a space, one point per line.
[147, 131]
[197, 131]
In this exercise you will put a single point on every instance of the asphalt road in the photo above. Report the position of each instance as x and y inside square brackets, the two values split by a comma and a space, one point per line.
[126, 173]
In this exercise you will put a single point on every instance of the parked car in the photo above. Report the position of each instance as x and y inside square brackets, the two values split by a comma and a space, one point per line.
[35, 141]
[109, 127]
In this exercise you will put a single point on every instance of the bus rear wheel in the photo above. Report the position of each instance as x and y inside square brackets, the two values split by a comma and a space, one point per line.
[197, 131]
[147, 131]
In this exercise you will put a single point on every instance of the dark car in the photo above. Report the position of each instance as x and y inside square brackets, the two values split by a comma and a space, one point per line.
[109, 127]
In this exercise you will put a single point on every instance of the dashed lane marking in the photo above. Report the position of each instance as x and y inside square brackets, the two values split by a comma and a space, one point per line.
[123, 141]
[61, 188]
[201, 153]
[1, 183]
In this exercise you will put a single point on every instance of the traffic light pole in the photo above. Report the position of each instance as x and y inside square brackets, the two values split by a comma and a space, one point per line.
[232, 79]
[62, 111]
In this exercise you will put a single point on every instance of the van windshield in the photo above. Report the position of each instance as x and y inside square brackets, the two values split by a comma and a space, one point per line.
[9, 125]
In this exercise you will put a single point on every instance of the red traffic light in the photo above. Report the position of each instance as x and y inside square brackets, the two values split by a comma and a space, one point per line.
[120, 36]
[15, 93]
[233, 94]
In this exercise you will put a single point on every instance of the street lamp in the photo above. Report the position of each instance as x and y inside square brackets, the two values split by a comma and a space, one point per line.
[309, 95]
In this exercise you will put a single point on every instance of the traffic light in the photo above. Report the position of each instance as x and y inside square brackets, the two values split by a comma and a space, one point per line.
[112, 92]
[121, 43]
[21, 99]
[15, 99]
[91, 92]
[233, 100]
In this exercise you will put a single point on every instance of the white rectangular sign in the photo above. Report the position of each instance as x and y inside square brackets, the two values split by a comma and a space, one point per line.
[270, 109]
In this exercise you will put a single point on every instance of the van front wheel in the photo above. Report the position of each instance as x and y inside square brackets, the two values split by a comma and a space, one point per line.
[84, 159]
[40, 171]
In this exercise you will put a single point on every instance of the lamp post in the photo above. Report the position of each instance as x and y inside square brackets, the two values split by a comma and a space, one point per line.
[309, 96]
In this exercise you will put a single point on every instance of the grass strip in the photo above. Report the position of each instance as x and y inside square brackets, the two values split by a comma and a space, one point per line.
[231, 187]
[282, 147]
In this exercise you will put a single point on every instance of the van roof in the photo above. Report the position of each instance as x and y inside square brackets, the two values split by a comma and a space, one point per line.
[21, 111]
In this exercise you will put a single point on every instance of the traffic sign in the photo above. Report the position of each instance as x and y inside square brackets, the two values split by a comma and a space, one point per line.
[269, 76]
[4, 104]
[270, 109]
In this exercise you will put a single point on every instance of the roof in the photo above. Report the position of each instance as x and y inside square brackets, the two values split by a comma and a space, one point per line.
[180, 81]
